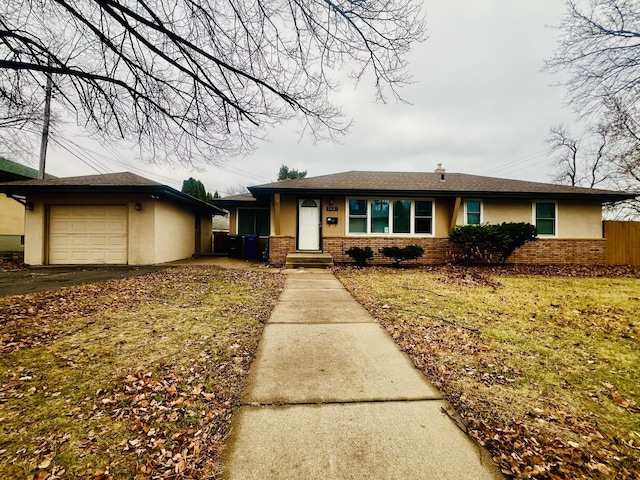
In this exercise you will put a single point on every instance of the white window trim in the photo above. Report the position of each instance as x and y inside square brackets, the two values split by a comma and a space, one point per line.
[391, 200]
[555, 220]
[465, 219]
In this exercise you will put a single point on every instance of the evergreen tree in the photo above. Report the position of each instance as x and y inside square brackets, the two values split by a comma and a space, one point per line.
[196, 189]
[287, 173]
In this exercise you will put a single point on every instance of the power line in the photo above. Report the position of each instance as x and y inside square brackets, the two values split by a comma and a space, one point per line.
[508, 166]
[86, 161]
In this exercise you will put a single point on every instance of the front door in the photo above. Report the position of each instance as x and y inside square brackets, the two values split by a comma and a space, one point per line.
[309, 224]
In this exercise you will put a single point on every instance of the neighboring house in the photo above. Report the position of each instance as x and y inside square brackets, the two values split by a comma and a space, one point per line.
[118, 218]
[12, 210]
[332, 213]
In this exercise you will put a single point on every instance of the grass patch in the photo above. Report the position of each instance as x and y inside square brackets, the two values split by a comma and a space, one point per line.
[128, 378]
[543, 369]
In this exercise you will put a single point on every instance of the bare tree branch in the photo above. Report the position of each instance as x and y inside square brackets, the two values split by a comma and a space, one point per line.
[599, 48]
[197, 81]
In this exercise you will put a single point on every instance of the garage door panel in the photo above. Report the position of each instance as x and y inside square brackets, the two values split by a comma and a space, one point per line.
[117, 241]
[88, 234]
[98, 241]
[98, 226]
[79, 241]
[59, 240]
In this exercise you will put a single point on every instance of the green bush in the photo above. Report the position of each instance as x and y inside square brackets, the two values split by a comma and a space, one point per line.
[360, 255]
[472, 241]
[507, 237]
[482, 242]
[410, 252]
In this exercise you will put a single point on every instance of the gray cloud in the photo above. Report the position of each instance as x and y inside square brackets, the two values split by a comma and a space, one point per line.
[478, 104]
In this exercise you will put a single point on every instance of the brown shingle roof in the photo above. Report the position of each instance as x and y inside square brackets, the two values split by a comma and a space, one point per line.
[240, 200]
[122, 179]
[110, 183]
[430, 184]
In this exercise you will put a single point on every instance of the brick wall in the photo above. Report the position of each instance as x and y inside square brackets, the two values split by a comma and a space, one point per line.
[440, 250]
[436, 250]
[555, 251]
[279, 247]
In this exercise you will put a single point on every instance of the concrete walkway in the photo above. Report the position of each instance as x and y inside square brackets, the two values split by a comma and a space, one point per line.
[330, 396]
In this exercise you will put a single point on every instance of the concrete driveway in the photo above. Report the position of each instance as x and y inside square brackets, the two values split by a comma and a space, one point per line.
[42, 279]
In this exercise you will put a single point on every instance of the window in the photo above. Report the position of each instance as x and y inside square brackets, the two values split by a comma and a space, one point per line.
[388, 216]
[357, 216]
[472, 212]
[424, 217]
[379, 216]
[545, 217]
[402, 216]
[253, 221]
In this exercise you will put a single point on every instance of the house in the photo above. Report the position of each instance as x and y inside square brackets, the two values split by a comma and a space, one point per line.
[12, 211]
[331, 213]
[119, 218]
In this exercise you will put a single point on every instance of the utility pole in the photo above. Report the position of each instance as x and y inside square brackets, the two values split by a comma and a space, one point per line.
[45, 125]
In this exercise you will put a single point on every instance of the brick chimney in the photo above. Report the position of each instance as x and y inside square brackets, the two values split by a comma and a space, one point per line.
[441, 171]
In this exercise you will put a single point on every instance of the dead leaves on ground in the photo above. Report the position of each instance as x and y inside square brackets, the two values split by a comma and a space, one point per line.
[543, 439]
[165, 418]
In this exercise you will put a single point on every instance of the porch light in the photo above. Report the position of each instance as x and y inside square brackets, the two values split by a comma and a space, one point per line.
[138, 206]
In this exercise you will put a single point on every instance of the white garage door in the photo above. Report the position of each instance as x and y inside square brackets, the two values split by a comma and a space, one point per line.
[81, 234]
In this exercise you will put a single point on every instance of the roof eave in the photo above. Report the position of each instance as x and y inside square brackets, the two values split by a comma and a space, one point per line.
[596, 196]
[160, 190]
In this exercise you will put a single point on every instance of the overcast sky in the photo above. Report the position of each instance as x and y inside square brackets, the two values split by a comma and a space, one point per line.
[479, 105]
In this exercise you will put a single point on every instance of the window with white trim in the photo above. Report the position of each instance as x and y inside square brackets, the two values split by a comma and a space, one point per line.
[472, 212]
[545, 218]
[423, 217]
[358, 214]
[385, 216]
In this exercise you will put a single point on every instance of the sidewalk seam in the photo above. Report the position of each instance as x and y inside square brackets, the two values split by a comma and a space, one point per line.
[345, 402]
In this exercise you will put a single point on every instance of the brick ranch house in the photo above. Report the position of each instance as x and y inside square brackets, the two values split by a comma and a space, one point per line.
[331, 213]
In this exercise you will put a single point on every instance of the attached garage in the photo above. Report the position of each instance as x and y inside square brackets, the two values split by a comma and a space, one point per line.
[87, 234]
[116, 218]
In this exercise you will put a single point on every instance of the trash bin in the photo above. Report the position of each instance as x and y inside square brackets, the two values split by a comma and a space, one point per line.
[251, 247]
[235, 246]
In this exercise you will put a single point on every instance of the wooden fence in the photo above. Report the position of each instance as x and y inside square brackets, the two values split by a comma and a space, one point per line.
[623, 242]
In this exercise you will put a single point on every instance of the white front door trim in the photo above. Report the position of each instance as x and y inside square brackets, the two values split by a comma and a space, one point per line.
[309, 224]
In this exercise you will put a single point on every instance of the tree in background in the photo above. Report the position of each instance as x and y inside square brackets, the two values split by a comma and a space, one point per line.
[196, 189]
[194, 81]
[286, 173]
[585, 163]
[600, 49]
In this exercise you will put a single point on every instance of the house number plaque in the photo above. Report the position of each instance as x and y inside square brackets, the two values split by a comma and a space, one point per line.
[332, 209]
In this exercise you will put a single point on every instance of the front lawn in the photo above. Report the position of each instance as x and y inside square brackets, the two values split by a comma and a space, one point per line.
[543, 369]
[127, 378]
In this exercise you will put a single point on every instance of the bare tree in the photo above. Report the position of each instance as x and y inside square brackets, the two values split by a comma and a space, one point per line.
[197, 80]
[565, 150]
[583, 163]
[600, 50]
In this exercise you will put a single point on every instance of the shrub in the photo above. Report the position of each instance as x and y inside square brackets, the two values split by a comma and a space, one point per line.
[472, 240]
[360, 255]
[483, 241]
[410, 252]
[507, 237]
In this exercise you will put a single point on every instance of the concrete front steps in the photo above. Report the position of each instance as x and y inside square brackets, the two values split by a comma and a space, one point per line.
[309, 260]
